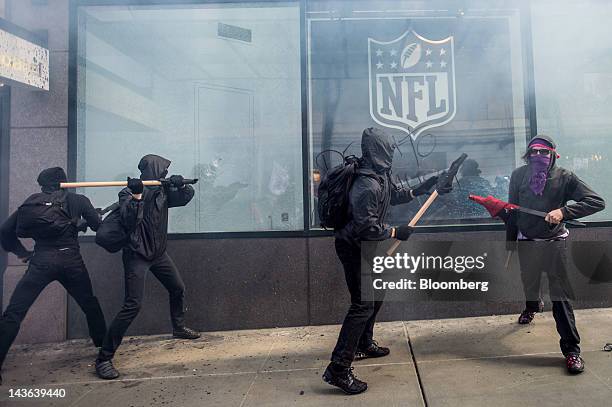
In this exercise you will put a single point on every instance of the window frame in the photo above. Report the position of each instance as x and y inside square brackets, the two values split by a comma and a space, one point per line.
[308, 230]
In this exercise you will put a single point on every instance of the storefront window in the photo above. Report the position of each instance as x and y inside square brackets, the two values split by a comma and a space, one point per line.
[439, 78]
[214, 88]
[217, 89]
[573, 81]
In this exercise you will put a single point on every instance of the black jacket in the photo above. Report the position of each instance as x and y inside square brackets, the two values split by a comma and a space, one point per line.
[148, 217]
[78, 206]
[372, 191]
[561, 186]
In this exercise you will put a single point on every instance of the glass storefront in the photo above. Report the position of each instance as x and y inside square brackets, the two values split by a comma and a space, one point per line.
[214, 88]
[218, 89]
[441, 81]
[572, 52]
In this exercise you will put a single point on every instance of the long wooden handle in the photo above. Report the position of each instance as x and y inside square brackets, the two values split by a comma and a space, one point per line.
[103, 184]
[414, 220]
[508, 257]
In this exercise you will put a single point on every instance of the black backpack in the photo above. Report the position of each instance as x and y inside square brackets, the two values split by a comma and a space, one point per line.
[43, 216]
[334, 193]
[111, 233]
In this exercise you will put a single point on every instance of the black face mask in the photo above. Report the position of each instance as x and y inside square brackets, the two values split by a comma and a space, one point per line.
[377, 150]
[153, 167]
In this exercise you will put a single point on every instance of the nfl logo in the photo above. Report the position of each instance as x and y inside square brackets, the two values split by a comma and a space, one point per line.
[412, 82]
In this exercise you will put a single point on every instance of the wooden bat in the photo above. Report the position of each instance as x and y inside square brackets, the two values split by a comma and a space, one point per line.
[89, 184]
[508, 261]
[414, 220]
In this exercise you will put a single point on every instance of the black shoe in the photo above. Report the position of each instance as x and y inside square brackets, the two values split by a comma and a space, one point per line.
[372, 351]
[527, 316]
[574, 363]
[185, 333]
[105, 370]
[344, 379]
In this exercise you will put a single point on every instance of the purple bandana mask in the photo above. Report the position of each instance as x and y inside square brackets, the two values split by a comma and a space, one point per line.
[539, 165]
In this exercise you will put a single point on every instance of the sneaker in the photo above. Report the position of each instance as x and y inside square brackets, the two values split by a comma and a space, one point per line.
[185, 333]
[527, 316]
[105, 370]
[372, 351]
[344, 379]
[574, 363]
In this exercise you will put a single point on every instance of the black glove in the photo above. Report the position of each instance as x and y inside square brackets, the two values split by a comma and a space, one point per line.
[81, 225]
[177, 181]
[444, 185]
[403, 232]
[424, 187]
[135, 185]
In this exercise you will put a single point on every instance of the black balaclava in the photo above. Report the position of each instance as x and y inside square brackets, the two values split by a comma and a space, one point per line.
[153, 167]
[50, 179]
[376, 150]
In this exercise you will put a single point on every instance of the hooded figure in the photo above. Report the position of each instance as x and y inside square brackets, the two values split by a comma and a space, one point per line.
[153, 167]
[546, 187]
[373, 191]
[151, 213]
[376, 151]
[56, 258]
[370, 195]
[144, 212]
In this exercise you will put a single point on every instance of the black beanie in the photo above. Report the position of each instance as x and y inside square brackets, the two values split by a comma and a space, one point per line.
[51, 177]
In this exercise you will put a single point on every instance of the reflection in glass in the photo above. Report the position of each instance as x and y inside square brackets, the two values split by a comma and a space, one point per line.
[215, 88]
[386, 63]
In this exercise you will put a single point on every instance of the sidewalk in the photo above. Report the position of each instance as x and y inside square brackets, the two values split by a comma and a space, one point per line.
[484, 361]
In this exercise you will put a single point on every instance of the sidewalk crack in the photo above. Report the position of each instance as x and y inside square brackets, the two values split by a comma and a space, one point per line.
[416, 365]
[260, 370]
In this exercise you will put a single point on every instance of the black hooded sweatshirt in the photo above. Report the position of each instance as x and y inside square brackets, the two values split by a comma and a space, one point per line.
[561, 186]
[372, 191]
[148, 217]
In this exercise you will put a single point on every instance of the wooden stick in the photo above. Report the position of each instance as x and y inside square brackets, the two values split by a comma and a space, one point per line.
[414, 220]
[508, 260]
[104, 184]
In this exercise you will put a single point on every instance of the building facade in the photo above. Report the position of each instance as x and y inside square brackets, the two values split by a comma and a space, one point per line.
[257, 99]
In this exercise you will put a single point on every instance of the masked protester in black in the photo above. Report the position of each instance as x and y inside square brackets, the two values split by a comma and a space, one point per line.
[369, 198]
[53, 259]
[145, 211]
[544, 186]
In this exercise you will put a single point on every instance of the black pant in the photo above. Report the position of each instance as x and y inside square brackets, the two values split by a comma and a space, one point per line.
[358, 326]
[551, 258]
[65, 266]
[135, 268]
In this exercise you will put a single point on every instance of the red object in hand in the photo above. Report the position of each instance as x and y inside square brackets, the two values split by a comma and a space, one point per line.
[493, 205]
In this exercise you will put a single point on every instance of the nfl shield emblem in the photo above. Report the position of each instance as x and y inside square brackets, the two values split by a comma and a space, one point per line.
[412, 82]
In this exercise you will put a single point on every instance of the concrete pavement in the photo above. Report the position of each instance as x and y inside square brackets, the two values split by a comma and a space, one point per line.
[480, 361]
